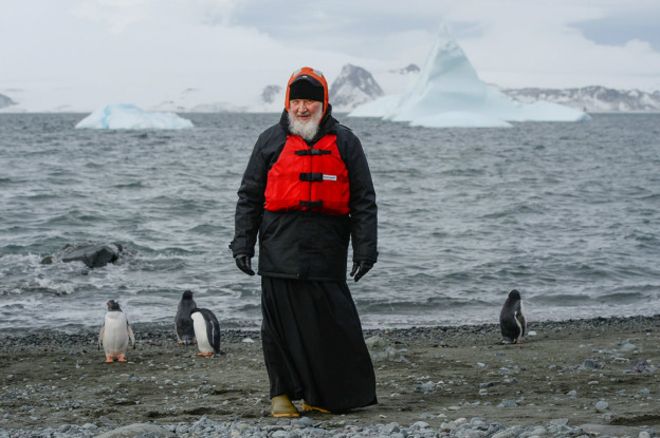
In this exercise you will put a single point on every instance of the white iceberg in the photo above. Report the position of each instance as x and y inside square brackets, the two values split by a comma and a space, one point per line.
[377, 108]
[129, 116]
[449, 93]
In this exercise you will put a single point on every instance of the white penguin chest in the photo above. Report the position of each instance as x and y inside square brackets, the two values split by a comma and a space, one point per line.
[115, 334]
[199, 324]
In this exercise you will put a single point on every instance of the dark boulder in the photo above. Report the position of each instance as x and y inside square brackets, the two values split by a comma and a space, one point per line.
[94, 256]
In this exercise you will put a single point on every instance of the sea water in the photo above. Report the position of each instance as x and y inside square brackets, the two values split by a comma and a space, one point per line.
[567, 213]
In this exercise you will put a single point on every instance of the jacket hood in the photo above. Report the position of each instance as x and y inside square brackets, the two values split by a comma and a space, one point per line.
[313, 76]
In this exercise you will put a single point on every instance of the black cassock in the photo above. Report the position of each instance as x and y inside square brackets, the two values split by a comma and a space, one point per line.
[313, 344]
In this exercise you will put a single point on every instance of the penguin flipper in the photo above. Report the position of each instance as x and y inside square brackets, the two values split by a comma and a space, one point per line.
[523, 324]
[99, 343]
[520, 321]
[131, 336]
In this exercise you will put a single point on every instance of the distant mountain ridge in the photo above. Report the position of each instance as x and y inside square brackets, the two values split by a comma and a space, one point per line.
[354, 86]
[410, 68]
[6, 101]
[593, 98]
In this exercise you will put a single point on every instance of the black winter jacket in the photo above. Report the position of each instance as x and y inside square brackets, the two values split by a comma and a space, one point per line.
[306, 245]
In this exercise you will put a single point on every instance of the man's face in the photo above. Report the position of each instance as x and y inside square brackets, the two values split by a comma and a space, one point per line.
[304, 110]
[304, 117]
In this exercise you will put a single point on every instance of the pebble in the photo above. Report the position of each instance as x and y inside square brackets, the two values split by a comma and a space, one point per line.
[426, 388]
[135, 430]
[508, 404]
[627, 346]
[304, 422]
[591, 364]
[476, 427]
[601, 406]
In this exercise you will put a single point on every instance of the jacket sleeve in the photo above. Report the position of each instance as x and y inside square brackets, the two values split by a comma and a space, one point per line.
[250, 205]
[364, 217]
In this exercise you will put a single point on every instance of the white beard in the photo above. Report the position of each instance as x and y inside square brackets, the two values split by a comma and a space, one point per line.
[308, 129]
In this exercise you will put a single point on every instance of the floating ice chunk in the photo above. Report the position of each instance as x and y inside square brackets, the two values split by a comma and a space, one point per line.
[129, 116]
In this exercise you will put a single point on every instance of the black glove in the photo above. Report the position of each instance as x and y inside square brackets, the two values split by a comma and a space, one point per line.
[359, 269]
[244, 263]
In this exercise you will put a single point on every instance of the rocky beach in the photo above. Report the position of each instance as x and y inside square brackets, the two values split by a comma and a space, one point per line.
[596, 377]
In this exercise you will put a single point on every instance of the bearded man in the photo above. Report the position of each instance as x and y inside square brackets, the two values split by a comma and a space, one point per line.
[307, 192]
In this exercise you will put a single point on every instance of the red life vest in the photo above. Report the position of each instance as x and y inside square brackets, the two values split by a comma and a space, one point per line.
[308, 178]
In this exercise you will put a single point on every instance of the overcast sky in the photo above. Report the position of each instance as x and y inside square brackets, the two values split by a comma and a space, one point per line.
[130, 48]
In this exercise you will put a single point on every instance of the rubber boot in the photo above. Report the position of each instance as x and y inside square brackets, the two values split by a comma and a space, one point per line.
[283, 408]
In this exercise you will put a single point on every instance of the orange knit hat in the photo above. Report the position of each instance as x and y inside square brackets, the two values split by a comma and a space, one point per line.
[314, 77]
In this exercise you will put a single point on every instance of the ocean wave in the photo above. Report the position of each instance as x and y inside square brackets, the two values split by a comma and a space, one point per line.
[130, 185]
[563, 300]
[75, 217]
[464, 216]
[209, 229]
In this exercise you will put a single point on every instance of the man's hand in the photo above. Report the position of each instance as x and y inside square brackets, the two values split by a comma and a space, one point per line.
[244, 263]
[359, 269]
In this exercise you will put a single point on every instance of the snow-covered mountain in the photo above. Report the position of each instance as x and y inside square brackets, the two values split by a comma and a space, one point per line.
[593, 99]
[410, 68]
[354, 86]
[270, 93]
[448, 93]
[6, 101]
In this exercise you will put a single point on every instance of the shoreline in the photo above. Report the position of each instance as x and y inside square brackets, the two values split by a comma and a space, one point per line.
[437, 375]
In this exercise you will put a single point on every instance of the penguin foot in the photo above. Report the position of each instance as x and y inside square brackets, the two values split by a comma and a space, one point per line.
[281, 407]
[109, 359]
[207, 355]
[121, 358]
[310, 408]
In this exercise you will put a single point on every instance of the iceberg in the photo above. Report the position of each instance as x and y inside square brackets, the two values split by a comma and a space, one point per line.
[377, 108]
[129, 116]
[449, 93]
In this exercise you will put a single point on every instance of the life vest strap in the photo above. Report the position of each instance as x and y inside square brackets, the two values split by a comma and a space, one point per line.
[303, 152]
[311, 176]
[311, 204]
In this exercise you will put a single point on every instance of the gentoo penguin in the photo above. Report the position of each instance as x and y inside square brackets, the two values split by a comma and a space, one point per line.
[115, 333]
[512, 320]
[185, 332]
[207, 332]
